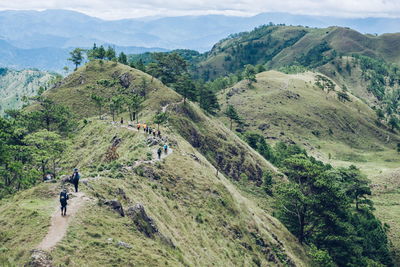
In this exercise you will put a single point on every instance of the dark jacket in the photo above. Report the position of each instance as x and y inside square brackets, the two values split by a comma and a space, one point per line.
[63, 198]
[75, 177]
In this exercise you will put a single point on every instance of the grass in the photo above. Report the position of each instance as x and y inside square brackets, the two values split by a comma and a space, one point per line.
[207, 218]
[289, 108]
[200, 214]
[24, 222]
[344, 41]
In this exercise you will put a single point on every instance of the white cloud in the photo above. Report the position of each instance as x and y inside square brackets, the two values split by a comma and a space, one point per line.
[117, 9]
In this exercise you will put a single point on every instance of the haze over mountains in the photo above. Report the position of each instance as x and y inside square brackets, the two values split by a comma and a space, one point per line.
[42, 39]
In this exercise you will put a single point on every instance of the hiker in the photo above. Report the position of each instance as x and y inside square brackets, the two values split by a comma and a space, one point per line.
[159, 152]
[150, 130]
[63, 201]
[159, 134]
[154, 133]
[122, 120]
[144, 127]
[75, 179]
[138, 126]
[165, 148]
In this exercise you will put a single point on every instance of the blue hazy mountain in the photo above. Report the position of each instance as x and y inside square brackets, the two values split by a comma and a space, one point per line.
[42, 39]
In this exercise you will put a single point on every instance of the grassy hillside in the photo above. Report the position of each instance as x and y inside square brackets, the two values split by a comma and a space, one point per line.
[291, 108]
[279, 46]
[202, 219]
[15, 85]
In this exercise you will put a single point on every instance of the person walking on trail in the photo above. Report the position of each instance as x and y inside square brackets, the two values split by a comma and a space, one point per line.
[75, 179]
[63, 201]
[154, 133]
[150, 130]
[165, 148]
[158, 134]
[159, 152]
[138, 126]
[144, 127]
[122, 120]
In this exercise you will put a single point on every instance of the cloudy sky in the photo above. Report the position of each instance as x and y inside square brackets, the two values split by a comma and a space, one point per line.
[117, 9]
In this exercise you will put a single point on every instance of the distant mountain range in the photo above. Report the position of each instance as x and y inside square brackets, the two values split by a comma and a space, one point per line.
[42, 39]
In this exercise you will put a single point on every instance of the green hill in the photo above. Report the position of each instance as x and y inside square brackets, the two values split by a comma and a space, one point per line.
[279, 46]
[198, 218]
[15, 85]
[292, 108]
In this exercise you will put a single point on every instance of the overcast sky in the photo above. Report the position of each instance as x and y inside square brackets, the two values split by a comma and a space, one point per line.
[117, 9]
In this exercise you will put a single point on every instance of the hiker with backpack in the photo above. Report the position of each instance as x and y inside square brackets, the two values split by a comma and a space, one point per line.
[75, 179]
[166, 149]
[138, 126]
[159, 152]
[63, 201]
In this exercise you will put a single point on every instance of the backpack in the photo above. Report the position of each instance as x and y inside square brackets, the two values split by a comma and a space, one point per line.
[75, 177]
[63, 198]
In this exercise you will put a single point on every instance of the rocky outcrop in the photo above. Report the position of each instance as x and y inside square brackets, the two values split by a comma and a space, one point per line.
[40, 258]
[142, 221]
[116, 206]
[123, 244]
[125, 80]
[148, 172]
[111, 153]
[146, 224]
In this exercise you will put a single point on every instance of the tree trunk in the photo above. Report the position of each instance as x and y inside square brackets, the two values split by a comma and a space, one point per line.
[301, 233]
[43, 168]
[231, 125]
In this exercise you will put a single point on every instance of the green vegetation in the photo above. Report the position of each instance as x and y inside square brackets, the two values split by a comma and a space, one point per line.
[211, 199]
[204, 219]
[32, 145]
[76, 57]
[233, 116]
[325, 207]
[17, 87]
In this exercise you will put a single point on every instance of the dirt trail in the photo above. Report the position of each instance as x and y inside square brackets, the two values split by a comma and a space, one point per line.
[59, 224]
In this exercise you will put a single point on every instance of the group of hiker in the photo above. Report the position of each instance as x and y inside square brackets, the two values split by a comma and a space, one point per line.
[74, 179]
[159, 150]
[147, 129]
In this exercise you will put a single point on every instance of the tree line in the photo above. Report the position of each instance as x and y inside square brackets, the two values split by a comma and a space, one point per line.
[32, 144]
[77, 56]
[326, 208]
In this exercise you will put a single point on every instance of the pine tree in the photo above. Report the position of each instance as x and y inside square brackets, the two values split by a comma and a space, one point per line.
[99, 101]
[122, 58]
[186, 88]
[160, 118]
[250, 74]
[207, 99]
[76, 57]
[110, 53]
[232, 114]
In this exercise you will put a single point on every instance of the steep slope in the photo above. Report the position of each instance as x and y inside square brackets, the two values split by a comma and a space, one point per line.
[279, 46]
[198, 217]
[15, 85]
[292, 109]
